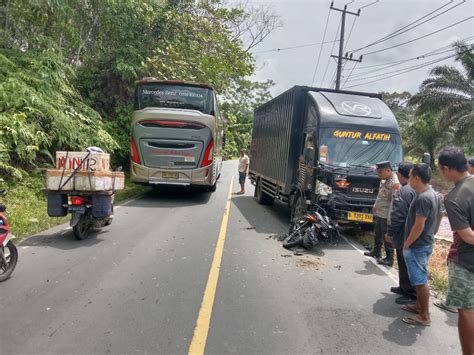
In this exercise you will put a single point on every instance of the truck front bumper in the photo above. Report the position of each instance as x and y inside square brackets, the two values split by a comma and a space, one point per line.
[351, 209]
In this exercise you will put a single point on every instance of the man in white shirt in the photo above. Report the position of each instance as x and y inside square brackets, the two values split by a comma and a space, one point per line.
[243, 170]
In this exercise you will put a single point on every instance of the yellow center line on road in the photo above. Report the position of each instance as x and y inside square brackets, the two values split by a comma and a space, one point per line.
[198, 343]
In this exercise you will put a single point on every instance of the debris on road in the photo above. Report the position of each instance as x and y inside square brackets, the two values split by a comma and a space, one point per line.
[310, 263]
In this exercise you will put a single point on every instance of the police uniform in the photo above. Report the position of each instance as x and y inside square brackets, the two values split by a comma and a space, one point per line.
[382, 208]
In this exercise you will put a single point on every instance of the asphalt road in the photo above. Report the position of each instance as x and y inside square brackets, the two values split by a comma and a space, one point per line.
[138, 286]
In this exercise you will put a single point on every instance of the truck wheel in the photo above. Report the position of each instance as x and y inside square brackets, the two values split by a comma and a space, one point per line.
[298, 207]
[260, 196]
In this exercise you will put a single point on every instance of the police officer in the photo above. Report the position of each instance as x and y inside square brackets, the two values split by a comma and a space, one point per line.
[388, 185]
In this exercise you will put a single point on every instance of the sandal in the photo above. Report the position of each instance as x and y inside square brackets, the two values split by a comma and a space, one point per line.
[409, 308]
[416, 321]
[444, 306]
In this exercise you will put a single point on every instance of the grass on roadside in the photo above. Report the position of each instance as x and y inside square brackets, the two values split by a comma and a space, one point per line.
[27, 206]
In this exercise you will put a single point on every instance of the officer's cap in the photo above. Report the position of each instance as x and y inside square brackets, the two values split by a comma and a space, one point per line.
[383, 164]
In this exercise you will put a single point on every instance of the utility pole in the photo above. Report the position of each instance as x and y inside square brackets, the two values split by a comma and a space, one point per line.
[340, 57]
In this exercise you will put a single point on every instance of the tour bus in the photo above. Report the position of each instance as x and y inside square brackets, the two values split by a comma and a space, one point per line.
[177, 134]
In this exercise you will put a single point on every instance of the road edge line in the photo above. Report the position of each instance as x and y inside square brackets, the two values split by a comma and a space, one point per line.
[201, 330]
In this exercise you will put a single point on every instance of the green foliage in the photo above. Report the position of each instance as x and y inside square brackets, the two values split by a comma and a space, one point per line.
[423, 135]
[448, 92]
[238, 106]
[41, 112]
[197, 45]
[64, 63]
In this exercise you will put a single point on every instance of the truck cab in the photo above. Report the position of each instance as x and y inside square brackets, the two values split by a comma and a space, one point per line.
[352, 133]
[323, 145]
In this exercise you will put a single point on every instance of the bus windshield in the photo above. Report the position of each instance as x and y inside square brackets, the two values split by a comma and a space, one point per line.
[354, 147]
[174, 96]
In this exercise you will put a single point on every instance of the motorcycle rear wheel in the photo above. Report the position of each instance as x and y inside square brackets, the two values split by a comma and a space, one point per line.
[12, 258]
[82, 228]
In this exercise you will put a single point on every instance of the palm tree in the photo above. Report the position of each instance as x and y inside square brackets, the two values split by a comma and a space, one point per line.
[449, 91]
[422, 135]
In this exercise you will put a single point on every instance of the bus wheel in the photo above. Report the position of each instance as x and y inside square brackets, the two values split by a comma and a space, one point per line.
[212, 188]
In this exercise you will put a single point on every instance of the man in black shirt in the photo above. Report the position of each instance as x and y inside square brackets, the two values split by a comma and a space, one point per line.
[460, 207]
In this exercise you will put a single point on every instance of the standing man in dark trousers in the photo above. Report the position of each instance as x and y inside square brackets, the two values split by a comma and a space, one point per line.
[460, 207]
[396, 230]
[388, 185]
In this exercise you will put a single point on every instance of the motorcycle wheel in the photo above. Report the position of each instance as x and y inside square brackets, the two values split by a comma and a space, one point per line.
[12, 258]
[293, 240]
[82, 228]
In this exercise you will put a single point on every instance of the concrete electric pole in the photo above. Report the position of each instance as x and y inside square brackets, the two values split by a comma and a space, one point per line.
[340, 57]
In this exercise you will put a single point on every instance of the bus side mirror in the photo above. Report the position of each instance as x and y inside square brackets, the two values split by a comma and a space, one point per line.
[426, 158]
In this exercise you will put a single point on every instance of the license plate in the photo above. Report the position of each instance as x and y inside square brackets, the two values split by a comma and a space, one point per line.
[167, 175]
[360, 217]
[79, 209]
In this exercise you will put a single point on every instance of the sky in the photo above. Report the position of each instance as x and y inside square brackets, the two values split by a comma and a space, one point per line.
[303, 22]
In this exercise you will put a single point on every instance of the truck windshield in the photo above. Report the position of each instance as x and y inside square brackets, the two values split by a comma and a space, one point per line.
[174, 96]
[362, 148]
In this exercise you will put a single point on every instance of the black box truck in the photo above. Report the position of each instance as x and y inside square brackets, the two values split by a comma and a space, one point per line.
[321, 145]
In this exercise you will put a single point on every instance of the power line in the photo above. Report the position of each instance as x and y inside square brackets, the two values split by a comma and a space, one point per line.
[293, 47]
[411, 28]
[433, 52]
[400, 29]
[403, 62]
[418, 38]
[372, 3]
[345, 82]
[350, 33]
[401, 69]
[406, 71]
[321, 49]
[329, 59]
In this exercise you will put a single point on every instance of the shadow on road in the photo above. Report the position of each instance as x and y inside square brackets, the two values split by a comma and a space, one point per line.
[264, 219]
[397, 332]
[64, 240]
[371, 269]
[166, 197]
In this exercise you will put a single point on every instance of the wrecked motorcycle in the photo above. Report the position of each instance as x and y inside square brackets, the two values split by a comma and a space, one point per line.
[308, 230]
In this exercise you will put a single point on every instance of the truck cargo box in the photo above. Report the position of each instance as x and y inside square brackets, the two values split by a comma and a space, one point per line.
[276, 138]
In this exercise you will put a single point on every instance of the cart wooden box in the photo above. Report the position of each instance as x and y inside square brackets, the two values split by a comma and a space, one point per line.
[83, 161]
[71, 180]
